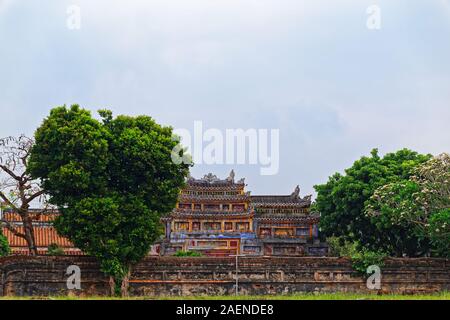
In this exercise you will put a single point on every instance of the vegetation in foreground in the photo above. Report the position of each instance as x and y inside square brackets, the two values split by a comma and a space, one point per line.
[397, 205]
[181, 253]
[305, 296]
[111, 180]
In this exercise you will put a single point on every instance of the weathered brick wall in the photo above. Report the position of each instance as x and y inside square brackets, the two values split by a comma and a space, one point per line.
[197, 276]
[44, 275]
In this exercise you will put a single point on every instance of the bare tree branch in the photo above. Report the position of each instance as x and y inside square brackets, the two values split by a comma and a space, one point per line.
[18, 190]
[34, 196]
[8, 202]
[13, 229]
[9, 172]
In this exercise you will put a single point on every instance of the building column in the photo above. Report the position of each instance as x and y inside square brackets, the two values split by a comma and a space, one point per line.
[168, 229]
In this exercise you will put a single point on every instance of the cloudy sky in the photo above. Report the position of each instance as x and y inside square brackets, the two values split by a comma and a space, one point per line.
[312, 69]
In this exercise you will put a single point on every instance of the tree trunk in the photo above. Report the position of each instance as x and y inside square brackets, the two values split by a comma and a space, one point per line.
[29, 235]
[125, 284]
[112, 286]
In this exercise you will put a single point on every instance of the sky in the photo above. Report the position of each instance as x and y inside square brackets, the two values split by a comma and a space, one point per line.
[333, 87]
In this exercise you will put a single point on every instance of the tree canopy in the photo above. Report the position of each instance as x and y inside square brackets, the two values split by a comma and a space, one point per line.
[342, 200]
[111, 180]
[421, 204]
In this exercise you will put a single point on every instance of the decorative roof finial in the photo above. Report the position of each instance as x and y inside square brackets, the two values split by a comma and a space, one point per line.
[231, 176]
[296, 193]
[210, 178]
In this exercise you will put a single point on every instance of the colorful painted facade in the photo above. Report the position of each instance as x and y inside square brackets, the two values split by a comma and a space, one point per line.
[218, 217]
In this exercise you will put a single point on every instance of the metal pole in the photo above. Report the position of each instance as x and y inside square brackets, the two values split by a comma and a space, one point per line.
[237, 272]
[237, 281]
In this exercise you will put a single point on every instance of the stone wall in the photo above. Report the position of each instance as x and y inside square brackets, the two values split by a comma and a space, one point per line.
[216, 276]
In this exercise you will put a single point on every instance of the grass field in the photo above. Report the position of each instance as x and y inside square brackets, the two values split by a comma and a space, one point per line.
[329, 296]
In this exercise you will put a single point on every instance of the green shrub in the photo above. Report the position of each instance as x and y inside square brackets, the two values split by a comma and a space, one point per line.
[361, 257]
[364, 258]
[5, 250]
[181, 253]
[340, 247]
[55, 250]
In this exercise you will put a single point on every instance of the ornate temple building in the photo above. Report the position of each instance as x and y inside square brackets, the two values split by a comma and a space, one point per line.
[219, 217]
[216, 218]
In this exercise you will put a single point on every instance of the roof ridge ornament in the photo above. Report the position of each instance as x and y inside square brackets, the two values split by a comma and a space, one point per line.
[231, 176]
[210, 178]
[296, 193]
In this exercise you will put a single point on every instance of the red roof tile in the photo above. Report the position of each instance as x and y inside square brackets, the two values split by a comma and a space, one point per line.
[44, 235]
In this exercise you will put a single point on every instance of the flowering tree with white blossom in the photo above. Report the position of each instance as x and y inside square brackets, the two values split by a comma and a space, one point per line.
[422, 203]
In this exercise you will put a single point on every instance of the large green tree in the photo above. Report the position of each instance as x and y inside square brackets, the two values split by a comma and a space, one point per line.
[341, 202]
[421, 204]
[111, 180]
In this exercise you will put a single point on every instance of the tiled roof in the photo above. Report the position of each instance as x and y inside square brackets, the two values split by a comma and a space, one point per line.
[287, 217]
[43, 251]
[215, 197]
[280, 200]
[15, 217]
[44, 235]
[212, 180]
